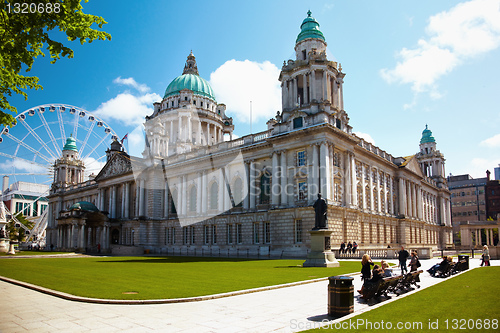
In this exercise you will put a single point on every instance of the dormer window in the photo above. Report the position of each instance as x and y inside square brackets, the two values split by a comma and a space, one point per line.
[194, 102]
[298, 122]
[338, 123]
[201, 104]
[185, 98]
[304, 54]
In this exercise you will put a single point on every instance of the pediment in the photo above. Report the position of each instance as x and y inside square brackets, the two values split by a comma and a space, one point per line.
[119, 164]
[412, 165]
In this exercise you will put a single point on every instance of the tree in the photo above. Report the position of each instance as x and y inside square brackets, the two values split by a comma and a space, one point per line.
[16, 232]
[26, 29]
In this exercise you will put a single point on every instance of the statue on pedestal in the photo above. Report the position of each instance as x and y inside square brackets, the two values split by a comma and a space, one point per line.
[320, 208]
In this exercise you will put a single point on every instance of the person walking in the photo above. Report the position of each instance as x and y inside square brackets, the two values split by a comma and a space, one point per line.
[485, 256]
[403, 256]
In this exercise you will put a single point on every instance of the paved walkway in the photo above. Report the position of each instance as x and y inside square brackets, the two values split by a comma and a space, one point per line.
[279, 310]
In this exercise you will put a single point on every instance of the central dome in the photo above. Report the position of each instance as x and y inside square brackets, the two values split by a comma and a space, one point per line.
[193, 82]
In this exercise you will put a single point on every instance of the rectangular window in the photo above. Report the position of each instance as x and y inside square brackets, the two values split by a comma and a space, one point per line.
[298, 231]
[193, 239]
[267, 232]
[301, 187]
[185, 239]
[214, 234]
[239, 234]
[256, 233]
[206, 234]
[301, 158]
[230, 234]
[173, 235]
[298, 122]
[167, 236]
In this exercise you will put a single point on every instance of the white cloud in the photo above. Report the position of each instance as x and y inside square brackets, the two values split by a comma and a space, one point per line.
[127, 108]
[236, 83]
[478, 166]
[365, 137]
[136, 141]
[15, 165]
[463, 32]
[93, 166]
[494, 141]
[132, 83]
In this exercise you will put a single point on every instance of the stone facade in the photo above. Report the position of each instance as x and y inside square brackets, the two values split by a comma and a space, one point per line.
[195, 194]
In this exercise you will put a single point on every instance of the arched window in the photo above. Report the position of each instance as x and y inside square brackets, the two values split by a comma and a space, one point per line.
[192, 199]
[214, 195]
[265, 187]
[238, 192]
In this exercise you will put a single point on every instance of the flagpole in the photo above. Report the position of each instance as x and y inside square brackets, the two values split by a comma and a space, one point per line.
[250, 117]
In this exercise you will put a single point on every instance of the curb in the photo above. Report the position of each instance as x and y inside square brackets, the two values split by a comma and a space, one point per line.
[74, 298]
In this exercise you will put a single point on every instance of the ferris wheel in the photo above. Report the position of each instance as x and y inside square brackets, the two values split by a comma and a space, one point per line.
[29, 149]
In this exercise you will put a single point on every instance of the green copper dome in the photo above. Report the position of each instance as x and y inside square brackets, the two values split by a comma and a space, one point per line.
[309, 29]
[84, 206]
[70, 144]
[427, 136]
[193, 82]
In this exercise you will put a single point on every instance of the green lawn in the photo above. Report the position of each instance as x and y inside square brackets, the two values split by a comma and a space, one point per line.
[160, 277]
[462, 303]
[32, 253]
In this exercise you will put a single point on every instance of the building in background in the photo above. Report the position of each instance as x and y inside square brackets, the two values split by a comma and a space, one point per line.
[24, 197]
[468, 201]
[492, 198]
[193, 193]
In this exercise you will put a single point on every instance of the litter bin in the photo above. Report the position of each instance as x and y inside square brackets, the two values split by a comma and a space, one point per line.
[340, 296]
[466, 258]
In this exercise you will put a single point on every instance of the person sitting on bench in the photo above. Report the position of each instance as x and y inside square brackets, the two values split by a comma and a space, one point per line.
[438, 267]
[377, 275]
[387, 270]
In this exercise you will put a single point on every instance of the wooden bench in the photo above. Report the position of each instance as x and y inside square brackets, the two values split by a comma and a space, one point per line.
[390, 285]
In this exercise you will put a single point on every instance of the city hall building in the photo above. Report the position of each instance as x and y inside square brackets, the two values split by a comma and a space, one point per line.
[194, 193]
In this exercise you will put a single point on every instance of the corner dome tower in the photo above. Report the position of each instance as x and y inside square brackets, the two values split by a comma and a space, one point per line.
[427, 136]
[309, 29]
[191, 80]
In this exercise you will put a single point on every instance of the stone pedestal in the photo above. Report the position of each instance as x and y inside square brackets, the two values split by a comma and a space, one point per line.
[4, 245]
[321, 254]
[11, 249]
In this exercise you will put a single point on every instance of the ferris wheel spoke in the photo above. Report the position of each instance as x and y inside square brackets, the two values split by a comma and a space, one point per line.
[96, 146]
[37, 137]
[75, 130]
[86, 138]
[49, 132]
[13, 157]
[61, 125]
[22, 143]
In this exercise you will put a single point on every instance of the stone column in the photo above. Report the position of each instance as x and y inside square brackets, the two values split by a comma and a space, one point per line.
[179, 129]
[324, 86]
[313, 187]
[198, 135]
[370, 174]
[227, 199]
[323, 172]
[295, 92]
[386, 209]
[283, 94]
[313, 84]
[221, 191]
[419, 203]
[402, 197]
[275, 181]
[304, 80]
[354, 185]
[183, 195]
[246, 200]
[114, 189]
[204, 196]
[378, 208]
[189, 134]
[198, 192]
[363, 186]
[141, 198]
[283, 179]
[252, 185]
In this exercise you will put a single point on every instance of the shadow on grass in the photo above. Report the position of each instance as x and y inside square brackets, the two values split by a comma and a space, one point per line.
[178, 260]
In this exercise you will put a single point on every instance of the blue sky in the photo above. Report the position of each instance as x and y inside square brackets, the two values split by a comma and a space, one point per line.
[407, 64]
